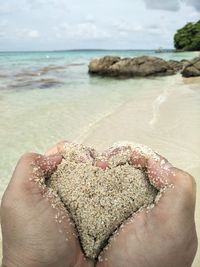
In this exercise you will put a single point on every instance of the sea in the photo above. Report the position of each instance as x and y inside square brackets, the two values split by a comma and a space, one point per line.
[46, 97]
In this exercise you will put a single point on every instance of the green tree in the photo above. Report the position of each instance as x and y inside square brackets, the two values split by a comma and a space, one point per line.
[188, 37]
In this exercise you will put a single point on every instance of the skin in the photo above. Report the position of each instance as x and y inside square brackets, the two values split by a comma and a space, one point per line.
[165, 236]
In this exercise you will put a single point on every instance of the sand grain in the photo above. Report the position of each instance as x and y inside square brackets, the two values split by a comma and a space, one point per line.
[99, 200]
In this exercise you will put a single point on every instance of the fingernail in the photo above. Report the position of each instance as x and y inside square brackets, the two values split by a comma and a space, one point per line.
[101, 164]
[56, 158]
[166, 165]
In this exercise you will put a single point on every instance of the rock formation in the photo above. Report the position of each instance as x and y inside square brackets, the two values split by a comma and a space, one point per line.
[192, 68]
[133, 67]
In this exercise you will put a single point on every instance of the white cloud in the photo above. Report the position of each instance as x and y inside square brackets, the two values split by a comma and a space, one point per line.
[3, 23]
[30, 33]
[33, 34]
[38, 4]
[125, 26]
[81, 31]
[89, 18]
[6, 8]
[2, 34]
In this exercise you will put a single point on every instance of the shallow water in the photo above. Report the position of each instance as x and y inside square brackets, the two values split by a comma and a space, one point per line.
[47, 97]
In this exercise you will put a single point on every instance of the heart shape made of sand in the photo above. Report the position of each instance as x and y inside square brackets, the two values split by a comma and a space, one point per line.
[98, 200]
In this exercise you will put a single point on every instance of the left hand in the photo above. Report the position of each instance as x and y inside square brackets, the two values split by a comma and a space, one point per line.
[36, 229]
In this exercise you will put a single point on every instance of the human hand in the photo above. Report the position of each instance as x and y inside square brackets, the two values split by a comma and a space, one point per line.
[36, 228]
[164, 235]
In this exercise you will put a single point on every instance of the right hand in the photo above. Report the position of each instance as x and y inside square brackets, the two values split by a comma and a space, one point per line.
[166, 235]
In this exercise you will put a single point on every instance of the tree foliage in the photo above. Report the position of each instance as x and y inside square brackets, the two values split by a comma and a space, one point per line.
[188, 37]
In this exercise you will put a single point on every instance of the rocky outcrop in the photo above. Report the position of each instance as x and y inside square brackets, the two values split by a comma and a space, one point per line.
[176, 65]
[133, 67]
[192, 68]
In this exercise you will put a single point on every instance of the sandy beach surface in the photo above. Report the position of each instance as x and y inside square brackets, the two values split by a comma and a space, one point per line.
[162, 113]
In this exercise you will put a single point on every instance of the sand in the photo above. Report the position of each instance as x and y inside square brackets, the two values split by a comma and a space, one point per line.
[99, 200]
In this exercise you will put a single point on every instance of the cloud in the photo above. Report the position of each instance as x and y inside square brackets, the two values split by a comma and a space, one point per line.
[125, 26]
[38, 4]
[81, 31]
[6, 8]
[2, 34]
[171, 5]
[194, 3]
[3, 23]
[30, 33]
[33, 34]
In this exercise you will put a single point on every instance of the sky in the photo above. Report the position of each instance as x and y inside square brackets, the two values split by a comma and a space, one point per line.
[27, 25]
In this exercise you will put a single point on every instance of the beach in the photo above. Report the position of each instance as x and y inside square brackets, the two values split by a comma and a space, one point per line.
[48, 97]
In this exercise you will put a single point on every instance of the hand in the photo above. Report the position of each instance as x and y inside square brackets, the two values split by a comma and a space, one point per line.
[36, 229]
[165, 235]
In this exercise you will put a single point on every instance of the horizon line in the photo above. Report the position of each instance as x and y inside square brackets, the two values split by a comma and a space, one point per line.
[84, 49]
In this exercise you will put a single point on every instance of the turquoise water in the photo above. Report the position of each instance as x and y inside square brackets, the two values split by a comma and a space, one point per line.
[46, 97]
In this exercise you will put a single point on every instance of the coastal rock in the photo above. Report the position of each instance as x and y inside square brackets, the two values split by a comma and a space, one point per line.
[133, 67]
[192, 68]
[176, 65]
[103, 64]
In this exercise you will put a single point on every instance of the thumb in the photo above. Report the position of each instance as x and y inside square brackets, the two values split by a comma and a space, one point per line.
[178, 186]
[32, 169]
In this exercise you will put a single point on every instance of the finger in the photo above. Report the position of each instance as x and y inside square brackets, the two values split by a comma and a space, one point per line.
[117, 155]
[141, 157]
[101, 164]
[79, 152]
[57, 149]
[177, 188]
[160, 171]
[32, 169]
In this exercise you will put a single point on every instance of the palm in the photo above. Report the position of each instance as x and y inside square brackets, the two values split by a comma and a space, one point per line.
[54, 238]
[163, 236]
[39, 231]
